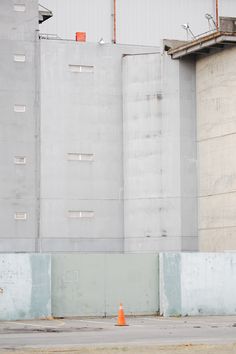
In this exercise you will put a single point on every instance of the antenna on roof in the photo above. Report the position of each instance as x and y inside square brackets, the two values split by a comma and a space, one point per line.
[188, 30]
[211, 22]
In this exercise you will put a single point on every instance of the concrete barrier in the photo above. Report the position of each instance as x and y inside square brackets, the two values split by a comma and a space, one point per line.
[94, 285]
[25, 286]
[197, 284]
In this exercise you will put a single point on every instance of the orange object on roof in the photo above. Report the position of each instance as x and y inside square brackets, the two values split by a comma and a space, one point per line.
[80, 36]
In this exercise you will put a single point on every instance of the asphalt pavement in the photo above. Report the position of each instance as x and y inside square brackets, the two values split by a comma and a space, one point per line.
[142, 331]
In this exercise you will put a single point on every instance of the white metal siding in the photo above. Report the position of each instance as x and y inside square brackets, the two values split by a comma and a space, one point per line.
[71, 16]
[148, 22]
[138, 21]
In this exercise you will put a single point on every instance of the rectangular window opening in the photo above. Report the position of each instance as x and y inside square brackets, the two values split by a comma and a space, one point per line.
[19, 58]
[77, 214]
[81, 68]
[19, 108]
[19, 215]
[76, 156]
[20, 160]
[19, 7]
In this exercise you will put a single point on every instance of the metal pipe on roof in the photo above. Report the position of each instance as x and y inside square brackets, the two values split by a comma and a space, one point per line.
[114, 22]
[217, 15]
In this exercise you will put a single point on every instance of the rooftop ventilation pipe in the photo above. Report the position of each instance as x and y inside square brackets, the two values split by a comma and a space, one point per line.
[217, 15]
[114, 21]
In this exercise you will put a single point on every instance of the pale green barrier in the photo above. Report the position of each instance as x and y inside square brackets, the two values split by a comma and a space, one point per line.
[95, 285]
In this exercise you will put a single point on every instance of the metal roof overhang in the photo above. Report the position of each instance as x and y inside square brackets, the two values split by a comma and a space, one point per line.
[44, 14]
[204, 44]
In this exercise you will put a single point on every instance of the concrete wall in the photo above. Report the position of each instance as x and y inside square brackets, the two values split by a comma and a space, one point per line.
[178, 163]
[95, 285]
[216, 106]
[197, 284]
[52, 203]
[188, 155]
[18, 130]
[170, 160]
[142, 152]
[25, 282]
[140, 130]
[160, 177]
[82, 113]
[56, 200]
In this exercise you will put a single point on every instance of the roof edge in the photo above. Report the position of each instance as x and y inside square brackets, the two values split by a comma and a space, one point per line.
[197, 45]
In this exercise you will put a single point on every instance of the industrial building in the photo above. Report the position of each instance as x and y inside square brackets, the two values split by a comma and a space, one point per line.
[100, 150]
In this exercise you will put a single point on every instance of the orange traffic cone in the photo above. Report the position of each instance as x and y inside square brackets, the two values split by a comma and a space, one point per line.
[121, 317]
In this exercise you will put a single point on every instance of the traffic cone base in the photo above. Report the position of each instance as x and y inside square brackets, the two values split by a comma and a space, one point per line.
[121, 317]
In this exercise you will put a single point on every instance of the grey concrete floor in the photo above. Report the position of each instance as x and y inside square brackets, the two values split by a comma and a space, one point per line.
[78, 332]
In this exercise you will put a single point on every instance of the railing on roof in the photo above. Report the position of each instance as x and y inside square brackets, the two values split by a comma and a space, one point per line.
[44, 8]
[205, 34]
[49, 36]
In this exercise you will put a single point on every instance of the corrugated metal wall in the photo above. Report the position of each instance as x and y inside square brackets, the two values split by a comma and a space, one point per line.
[143, 21]
[70, 16]
[138, 21]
